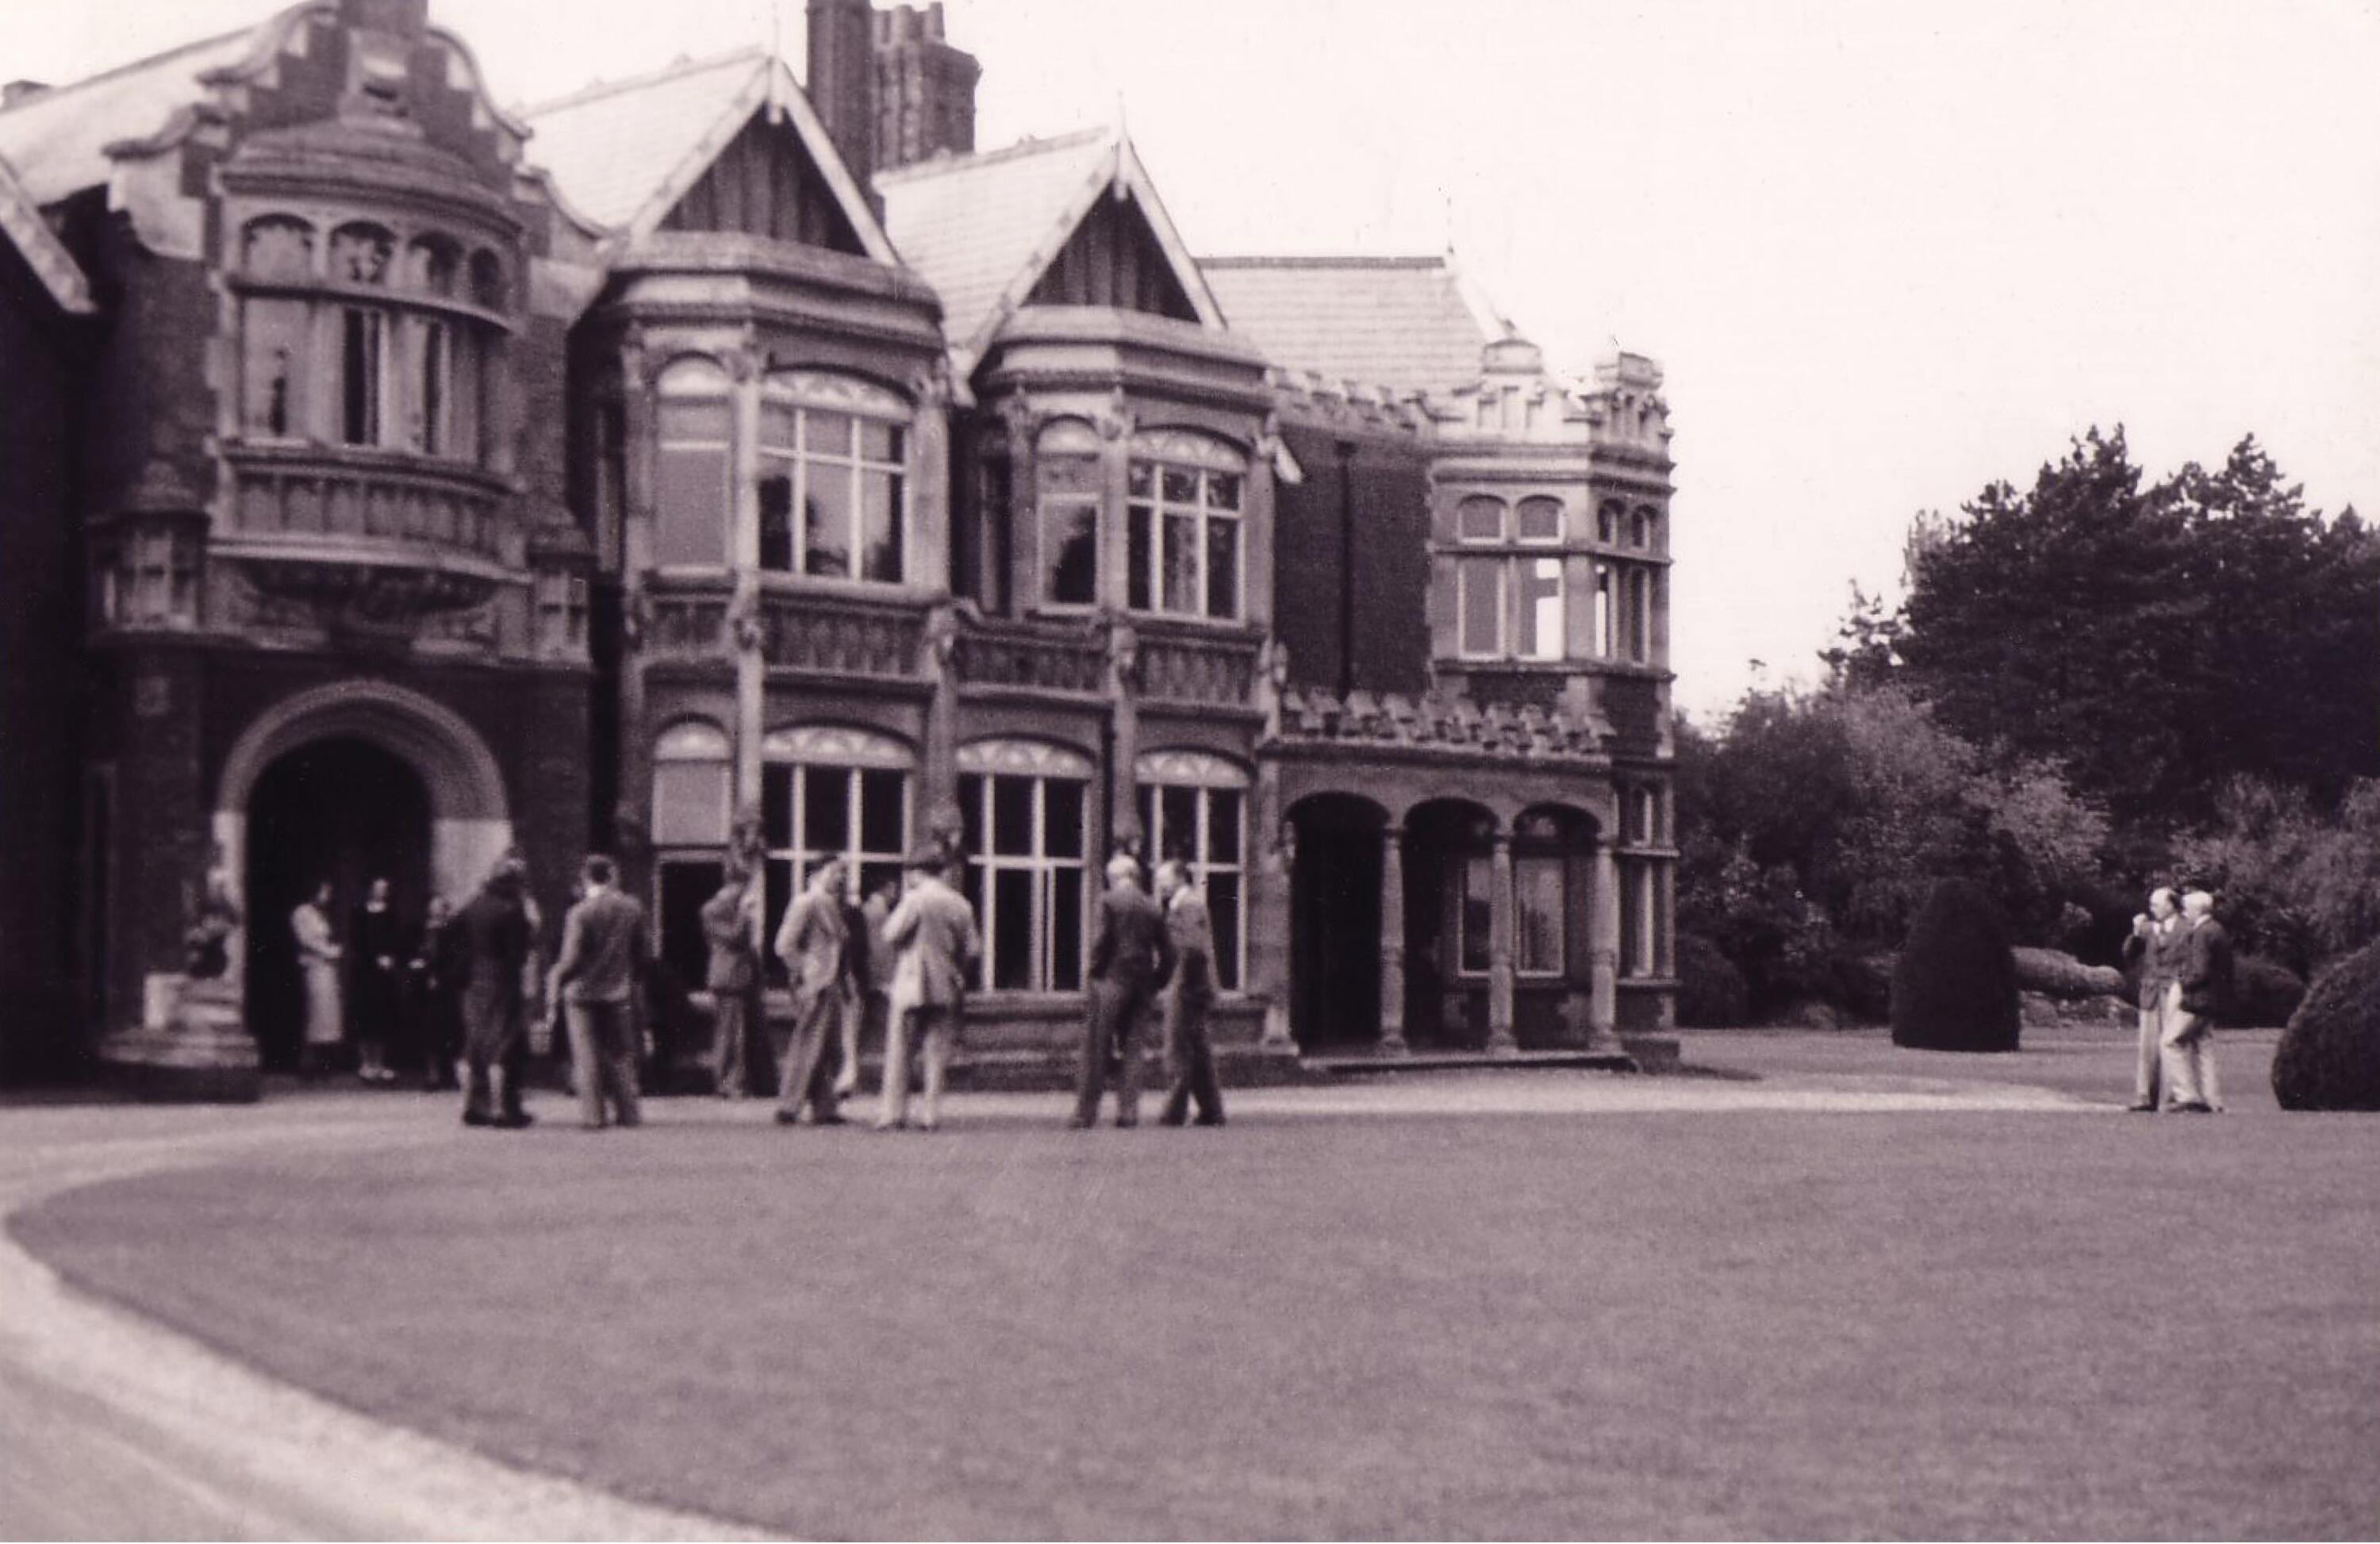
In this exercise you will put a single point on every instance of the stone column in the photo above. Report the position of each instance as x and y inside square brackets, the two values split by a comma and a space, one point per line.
[1123, 699]
[638, 429]
[746, 630]
[1603, 949]
[940, 772]
[1271, 915]
[1392, 943]
[1504, 909]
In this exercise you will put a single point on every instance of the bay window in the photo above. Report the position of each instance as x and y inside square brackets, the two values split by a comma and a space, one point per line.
[1026, 812]
[834, 474]
[693, 473]
[692, 799]
[1509, 604]
[1067, 469]
[1183, 505]
[1193, 812]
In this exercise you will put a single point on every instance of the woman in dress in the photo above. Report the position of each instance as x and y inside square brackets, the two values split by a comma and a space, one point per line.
[318, 964]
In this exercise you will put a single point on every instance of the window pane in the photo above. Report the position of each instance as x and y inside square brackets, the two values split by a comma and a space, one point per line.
[690, 804]
[1538, 616]
[1140, 482]
[425, 429]
[1012, 816]
[1223, 569]
[704, 419]
[777, 805]
[1145, 805]
[779, 424]
[1073, 554]
[1179, 810]
[1181, 562]
[1181, 487]
[1482, 595]
[1224, 825]
[777, 521]
[971, 813]
[972, 885]
[273, 368]
[882, 796]
[1137, 520]
[1066, 929]
[1479, 519]
[359, 368]
[1223, 911]
[830, 432]
[1538, 944]
[826, 808]
[1062, 821]
[690, 519]
[827, 530]
[1222, 490]
[1478, 880]
[880, 442]
[880, 525]
[1540, 520]
[1011, 928]
[686, 883]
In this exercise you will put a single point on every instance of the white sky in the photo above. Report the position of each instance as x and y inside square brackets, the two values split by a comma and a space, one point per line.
[1887, 251]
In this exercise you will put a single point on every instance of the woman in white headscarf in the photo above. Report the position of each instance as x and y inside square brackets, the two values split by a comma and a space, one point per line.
[318, 964]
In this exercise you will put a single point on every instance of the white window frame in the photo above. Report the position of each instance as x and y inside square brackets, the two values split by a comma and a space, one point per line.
[693, 379]
[803, 394]
[1041, 764]
[1158, 453]
[1073, 440]
[807, 748]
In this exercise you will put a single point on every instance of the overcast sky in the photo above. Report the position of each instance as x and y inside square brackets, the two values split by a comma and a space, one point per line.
[1887, 251]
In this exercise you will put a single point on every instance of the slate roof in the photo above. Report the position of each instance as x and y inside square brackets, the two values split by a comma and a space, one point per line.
[1408, 323]
[970, 224]
[58, 138]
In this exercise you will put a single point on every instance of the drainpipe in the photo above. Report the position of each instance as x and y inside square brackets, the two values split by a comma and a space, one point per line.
[1346, 568]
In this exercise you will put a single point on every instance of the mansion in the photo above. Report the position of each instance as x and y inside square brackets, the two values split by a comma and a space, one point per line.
[395, 479]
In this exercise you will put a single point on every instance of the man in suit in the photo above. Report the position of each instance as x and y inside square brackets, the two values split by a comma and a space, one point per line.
[1132, 958]
[2153, 953]
[1189, 1059]
[2205, 991]
[866, 1020]
[935, 945]
[730, 926]
[495, 930]
[815, 943]
[604, 954]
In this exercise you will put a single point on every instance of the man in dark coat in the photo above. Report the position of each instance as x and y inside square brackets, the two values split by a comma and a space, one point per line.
[441, 964]
[2190, 1076]
[605, 950]
[1130, 961]
[376, 953]
[731, 925]
[495, 928]
[1189, 1058]
[2153, 956]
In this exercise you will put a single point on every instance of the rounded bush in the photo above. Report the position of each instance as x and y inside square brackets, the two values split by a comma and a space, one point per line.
[1954, 987]
[1712, 994]
[2263, 994]
[2329, 1055]
[2054, 973]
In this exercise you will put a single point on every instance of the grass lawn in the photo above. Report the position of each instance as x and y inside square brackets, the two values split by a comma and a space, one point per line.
[1647, 1324]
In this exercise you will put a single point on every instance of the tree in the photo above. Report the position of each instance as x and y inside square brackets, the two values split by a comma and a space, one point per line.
[1954, 986]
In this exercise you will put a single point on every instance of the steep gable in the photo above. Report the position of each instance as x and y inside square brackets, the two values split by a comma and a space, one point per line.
[1114, 259]
[765, 183]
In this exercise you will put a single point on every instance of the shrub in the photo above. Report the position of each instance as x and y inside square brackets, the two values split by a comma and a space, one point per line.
[2329, 1055]
[1711, 990]
[2263, 994]
[2055, 974]
[1954, 987]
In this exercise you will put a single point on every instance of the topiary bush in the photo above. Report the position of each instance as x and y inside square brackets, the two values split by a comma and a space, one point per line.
[1954, 987]
[2263, 994]
[1711, 990]
[2329, 1055]
[2054, 973]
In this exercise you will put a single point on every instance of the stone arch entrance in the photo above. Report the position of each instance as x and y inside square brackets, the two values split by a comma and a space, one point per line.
[372, 769]
[1335, 942]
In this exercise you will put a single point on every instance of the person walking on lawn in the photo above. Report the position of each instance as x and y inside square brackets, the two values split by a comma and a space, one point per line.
[815, 943]
[932, 934]
[730, 926]
[1189, 1058]
[2154, 951]
[495, 931]
[605, 954]
[1131, 962]
[2204, 992]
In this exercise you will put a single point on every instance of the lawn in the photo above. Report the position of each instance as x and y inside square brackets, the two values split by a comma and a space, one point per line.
[1600, 1324]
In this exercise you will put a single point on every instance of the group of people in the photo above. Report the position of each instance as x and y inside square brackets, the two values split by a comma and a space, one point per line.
[897, 963]
[2181, 958]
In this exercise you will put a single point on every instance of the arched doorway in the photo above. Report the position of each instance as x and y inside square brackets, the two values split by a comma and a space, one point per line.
[1450, 920]
[1335, 906]
[340, 810]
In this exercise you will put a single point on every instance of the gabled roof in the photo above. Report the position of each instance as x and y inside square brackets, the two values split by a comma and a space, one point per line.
[1410, 322]
[624, 153]
[58, 138]
[982, 229]
[21, 224]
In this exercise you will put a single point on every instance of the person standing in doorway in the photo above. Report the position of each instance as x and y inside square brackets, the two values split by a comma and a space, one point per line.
[376, 954]
[495, 929]
[1130, 961]
[1189, 1058]
[814, 941]
[730, 926]
[317, 965]
[605, 952]
[2153, 953]
[437, 970]
[936, 947]
[2204, 992]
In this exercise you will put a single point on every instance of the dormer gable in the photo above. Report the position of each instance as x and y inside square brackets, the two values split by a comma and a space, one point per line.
[767, 184]
[1114, 258]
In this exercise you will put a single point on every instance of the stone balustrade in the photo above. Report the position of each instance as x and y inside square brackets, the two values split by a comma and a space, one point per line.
[1450, 724]
[1214, 672]
[840, 635]
[1034, 656]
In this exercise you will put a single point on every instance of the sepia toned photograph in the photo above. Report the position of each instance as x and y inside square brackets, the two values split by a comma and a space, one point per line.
[1267, 770]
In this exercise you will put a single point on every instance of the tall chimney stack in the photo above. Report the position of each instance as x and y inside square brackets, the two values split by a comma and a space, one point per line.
[843, 78]
[925, 89]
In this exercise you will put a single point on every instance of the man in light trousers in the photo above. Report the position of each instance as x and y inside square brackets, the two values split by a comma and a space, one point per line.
[2155, 948]
[2203, 991]
[605, 954]
[814, 941]
[932, 932]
